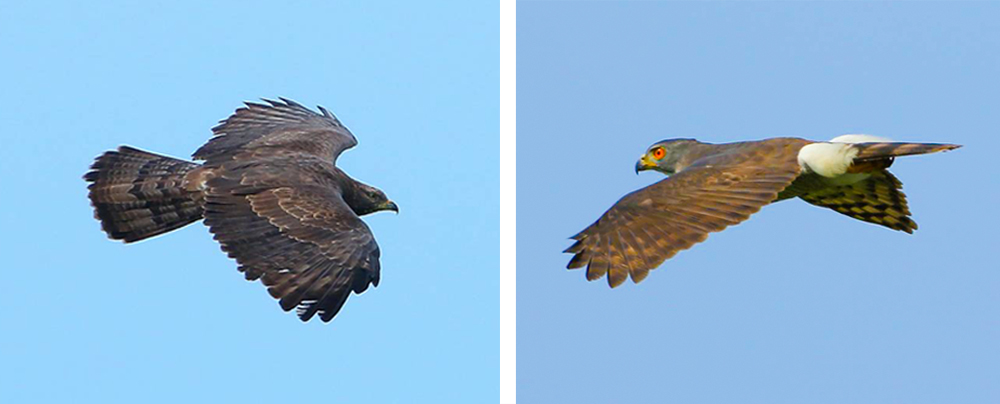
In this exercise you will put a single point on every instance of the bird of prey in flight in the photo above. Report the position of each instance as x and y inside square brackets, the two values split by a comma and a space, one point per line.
[712, 186]
[271, 193]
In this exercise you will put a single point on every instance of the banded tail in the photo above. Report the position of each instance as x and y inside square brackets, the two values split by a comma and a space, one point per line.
[881, 154]
[137, 194]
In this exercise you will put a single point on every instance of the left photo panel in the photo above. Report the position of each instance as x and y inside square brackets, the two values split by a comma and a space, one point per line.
[251, 202]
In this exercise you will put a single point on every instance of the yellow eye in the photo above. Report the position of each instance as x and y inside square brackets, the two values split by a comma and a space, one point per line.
[658, 153]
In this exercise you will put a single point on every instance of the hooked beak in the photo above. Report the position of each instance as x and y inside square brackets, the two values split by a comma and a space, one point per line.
[390, 205]
[643, 164]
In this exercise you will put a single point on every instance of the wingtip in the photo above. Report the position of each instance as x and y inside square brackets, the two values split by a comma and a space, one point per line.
[305, 316]
[576, 262]
[252, 105]
[326, 112]
[290, 102]
[272, 103]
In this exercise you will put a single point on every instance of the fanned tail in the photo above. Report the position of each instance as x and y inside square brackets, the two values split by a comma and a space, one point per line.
[137, 194]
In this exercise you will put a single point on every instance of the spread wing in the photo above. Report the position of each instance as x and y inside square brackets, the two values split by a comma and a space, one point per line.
[304, 243]
[277, 128]
[650, 225]
[878, 199]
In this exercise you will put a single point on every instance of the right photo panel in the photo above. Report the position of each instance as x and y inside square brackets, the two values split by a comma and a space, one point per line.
[767, 202]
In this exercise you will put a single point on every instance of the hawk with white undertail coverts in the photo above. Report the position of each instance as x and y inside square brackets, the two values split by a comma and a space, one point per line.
[713, 186]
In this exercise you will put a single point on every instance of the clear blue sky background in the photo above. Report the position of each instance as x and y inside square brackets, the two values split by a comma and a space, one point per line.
[170, 320]
[799, 304]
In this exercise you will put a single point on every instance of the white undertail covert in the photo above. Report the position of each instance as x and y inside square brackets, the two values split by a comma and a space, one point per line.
[831, 159]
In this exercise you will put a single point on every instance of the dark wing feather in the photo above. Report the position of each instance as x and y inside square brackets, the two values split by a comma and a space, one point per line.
[650, 225]
[877, 199]
[277, 128]
[304, 243]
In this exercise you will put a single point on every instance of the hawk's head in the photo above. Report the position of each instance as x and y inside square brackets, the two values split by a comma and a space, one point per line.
[665, 156]
[368, 199]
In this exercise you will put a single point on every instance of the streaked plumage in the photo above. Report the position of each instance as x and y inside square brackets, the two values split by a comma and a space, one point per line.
[270, 192]
[713, 186]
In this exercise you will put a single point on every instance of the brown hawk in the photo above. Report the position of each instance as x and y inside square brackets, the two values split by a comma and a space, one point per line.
[712, 186]
[270, 192]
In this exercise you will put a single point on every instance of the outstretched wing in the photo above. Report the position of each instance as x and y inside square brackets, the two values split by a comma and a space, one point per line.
[304, 243]
[877, 199]
[650, 225]
[277, 128]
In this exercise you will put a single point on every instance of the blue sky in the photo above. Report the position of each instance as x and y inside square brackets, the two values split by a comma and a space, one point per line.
[169, 320]
[799, 304]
